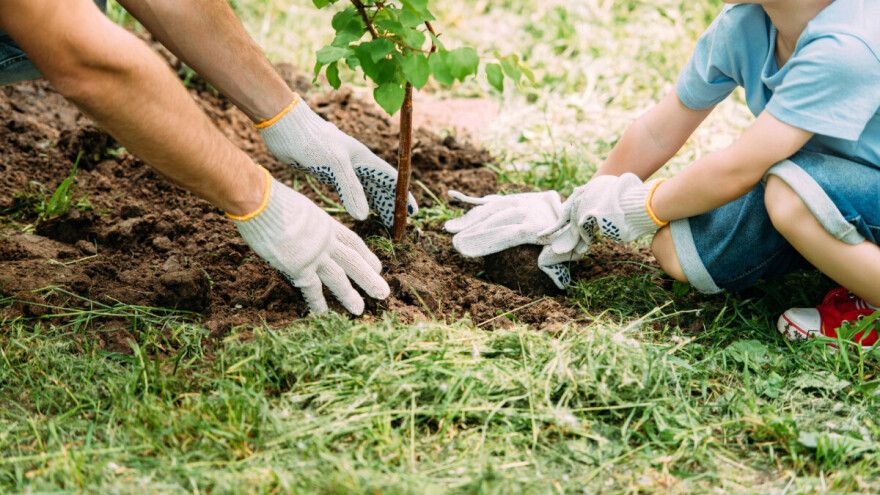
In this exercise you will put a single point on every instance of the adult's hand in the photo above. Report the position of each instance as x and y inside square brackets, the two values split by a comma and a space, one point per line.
[312, 249]
[502, 222]
[208, 37]
[364, 181]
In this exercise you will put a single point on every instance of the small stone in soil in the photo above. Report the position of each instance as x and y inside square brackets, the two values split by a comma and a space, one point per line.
[162, 243]
[87, 248]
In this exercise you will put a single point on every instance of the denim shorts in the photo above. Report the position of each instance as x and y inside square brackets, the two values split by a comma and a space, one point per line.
[734, 246]
[14, 63]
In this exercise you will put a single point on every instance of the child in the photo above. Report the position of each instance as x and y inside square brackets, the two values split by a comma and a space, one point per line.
[800, 186]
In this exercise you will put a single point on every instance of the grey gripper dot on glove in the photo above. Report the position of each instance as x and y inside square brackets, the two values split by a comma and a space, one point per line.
[502, 222]
[312, 249]
[364, 182]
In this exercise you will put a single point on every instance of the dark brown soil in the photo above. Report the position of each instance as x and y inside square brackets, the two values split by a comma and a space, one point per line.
[148, 242]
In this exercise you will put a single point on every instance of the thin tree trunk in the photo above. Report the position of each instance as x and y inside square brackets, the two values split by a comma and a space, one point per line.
[404, 160]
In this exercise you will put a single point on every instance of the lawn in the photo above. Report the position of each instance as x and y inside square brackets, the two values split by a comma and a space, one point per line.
[661, 390]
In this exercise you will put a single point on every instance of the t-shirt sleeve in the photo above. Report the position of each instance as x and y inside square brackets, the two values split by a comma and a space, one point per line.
[832, 88]
[709, 76]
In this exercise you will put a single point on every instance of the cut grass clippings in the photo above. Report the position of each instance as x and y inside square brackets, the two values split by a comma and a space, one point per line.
[664, 390]
[330, 405]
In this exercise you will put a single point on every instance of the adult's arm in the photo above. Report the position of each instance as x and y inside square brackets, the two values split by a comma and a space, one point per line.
[128, 90]
[210, 39]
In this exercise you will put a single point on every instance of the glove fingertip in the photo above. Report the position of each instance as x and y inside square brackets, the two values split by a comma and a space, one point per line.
[456, 195]
[318, 308]
[356, 306]
[463, 248]
[357, 209]
[382, 291]
[453, 226]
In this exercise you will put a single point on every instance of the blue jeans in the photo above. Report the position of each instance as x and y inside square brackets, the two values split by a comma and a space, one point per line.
[734, 246]
[14, 63]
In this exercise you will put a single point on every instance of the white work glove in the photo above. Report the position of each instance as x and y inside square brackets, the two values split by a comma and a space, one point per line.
[615, 206]
[502, 222]
[307, 142]
[312, 249]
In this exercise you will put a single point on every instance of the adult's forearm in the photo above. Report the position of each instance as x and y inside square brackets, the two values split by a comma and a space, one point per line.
[209, 38]
[128, 90]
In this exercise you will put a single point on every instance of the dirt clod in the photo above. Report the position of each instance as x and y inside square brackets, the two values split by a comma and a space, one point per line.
[185, 289]
[89, 143]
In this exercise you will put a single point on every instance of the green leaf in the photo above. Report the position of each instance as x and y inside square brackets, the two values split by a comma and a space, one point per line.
[316, 72]
[413, 37]
[349, 27]
[419, 8]
[333, 75]
[322, 3]
[462, 62]
[527, 72]
[378, 49]
[365, 60]
[416, 69]
[330, 54]
[382, 71]
[410, 19]
[510, 64]
[386, 72]
[440, 69]
[343, 17]
[391, 26]
[495, 74]
[390, 97]
[352, 61]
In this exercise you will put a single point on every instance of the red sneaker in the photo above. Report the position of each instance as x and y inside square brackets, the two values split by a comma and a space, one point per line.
[837, 307]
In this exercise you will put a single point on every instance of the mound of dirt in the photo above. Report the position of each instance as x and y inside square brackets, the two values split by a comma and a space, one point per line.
[147, 242]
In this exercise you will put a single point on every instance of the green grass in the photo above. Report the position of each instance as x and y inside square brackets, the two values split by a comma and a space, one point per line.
[38, 204]
[334, 406]
[664, 391]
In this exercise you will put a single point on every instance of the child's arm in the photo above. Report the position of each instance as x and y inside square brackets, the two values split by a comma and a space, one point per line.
[723, 176]
[653, 138]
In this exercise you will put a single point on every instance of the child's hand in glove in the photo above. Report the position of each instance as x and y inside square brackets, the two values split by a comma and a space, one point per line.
[502, 222]
[618, 207]
[312, 249]
[299, 137]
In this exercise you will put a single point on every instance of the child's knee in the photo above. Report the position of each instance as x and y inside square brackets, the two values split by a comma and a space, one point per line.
[784, 207]
[664, 251]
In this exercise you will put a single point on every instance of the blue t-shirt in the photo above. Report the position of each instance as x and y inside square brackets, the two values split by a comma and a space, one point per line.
[830, 85]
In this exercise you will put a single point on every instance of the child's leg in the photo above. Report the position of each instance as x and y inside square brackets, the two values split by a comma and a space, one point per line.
[730, 247]
[854, 266]
[664, 251]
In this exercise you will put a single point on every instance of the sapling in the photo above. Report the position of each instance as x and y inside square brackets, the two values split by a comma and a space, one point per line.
[395, 45]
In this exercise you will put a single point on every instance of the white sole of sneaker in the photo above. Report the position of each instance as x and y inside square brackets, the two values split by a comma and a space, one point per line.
[791, 331]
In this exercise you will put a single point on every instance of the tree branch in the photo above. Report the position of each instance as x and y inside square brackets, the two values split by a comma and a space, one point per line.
[362, 10]
[433, 33]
